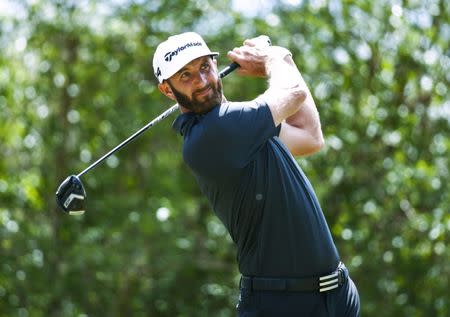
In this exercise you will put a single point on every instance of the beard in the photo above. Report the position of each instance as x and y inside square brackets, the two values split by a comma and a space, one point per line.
[201, 104]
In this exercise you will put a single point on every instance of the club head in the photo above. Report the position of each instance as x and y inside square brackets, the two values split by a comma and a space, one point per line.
[71, 196]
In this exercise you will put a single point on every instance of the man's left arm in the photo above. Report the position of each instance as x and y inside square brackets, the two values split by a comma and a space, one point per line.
[302, 132]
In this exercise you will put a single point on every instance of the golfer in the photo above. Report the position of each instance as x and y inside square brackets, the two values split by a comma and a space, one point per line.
[242, 156]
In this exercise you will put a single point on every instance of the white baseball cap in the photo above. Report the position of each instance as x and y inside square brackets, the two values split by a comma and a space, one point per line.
[178, 50]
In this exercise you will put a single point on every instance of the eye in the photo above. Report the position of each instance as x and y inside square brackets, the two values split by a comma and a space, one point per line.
[205, 66]
[185, 75]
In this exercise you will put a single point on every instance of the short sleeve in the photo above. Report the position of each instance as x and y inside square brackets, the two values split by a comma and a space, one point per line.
[229, 137]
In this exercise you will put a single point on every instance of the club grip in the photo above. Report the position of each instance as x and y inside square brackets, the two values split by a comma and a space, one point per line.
[228, 69]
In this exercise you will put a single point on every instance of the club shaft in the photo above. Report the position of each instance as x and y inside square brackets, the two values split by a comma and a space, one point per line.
[228, 69]
[162, 116]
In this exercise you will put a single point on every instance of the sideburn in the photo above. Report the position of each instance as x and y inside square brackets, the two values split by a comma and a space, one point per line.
[181, 98]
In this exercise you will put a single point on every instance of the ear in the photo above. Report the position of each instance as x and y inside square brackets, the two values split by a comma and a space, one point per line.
[166, 90]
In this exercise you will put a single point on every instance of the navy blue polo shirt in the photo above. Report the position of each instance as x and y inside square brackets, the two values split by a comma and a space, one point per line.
[258, 191]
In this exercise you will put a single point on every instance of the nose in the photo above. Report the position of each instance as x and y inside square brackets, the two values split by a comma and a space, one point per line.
[200, 79]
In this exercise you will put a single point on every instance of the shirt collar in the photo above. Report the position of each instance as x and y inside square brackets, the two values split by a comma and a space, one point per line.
[184, 122]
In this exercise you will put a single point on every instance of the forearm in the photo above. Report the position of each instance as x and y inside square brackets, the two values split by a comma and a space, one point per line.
[284, 80]
[285, 74]
[301, 131]
[307, 116]
[281, 70]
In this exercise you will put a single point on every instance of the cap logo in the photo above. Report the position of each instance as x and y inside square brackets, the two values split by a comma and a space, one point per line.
[169, 55]
[158, 72]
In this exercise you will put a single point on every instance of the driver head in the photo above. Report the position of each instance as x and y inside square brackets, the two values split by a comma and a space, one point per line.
[71, 195]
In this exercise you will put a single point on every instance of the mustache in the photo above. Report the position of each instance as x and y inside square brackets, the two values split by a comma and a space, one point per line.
[199, 91]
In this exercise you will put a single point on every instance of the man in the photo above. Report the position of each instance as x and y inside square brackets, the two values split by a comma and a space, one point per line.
[241, 154]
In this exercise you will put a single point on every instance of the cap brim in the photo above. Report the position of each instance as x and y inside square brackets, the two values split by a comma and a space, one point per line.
[187, 62]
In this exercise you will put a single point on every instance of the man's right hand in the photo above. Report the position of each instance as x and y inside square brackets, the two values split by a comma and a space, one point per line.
[255, 59]
[251, 57]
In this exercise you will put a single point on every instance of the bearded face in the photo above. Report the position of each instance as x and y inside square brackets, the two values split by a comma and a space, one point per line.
[201, 100]
[196, 87]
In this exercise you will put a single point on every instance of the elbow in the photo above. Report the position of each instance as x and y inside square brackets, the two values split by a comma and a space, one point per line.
[317, 139]
[318, 143]
[314, 145]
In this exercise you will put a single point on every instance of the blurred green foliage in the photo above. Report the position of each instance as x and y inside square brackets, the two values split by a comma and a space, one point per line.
[76, 79]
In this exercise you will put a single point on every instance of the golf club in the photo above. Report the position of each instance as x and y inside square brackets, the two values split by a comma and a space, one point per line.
[71, 195]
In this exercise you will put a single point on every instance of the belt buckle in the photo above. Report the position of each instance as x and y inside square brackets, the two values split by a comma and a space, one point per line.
[333, 280]
[329, 282]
